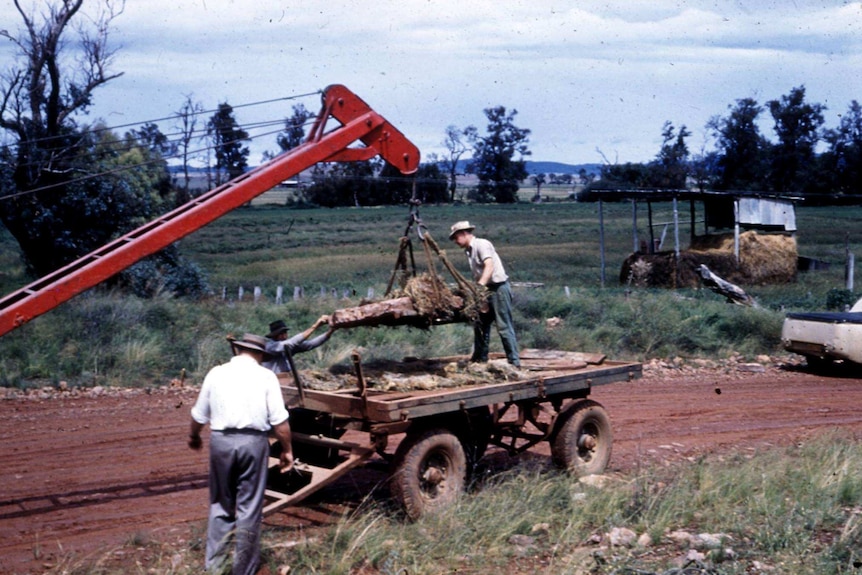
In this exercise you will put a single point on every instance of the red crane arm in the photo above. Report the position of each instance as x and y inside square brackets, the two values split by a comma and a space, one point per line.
[358, 122]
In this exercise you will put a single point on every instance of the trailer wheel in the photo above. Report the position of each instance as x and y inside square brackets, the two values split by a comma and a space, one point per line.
[582, 439]
[430, 471]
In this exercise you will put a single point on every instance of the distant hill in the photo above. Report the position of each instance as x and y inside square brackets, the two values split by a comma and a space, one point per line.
[548, 167]
[560, 168]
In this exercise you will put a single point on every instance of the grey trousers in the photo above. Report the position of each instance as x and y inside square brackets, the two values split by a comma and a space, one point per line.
[237, 482]
[500, 313]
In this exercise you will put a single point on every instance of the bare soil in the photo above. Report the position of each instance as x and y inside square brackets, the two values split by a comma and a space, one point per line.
[83, 474]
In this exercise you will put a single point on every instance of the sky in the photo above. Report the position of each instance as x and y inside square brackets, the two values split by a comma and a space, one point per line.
[594, 81]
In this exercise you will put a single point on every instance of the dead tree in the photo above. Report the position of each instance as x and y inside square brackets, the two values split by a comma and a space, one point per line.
[732, 292]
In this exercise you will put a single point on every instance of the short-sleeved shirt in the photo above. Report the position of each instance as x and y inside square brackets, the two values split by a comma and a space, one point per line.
[477, 252]
[240, 394]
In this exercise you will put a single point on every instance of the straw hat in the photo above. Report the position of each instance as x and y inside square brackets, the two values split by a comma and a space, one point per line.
[461, 226]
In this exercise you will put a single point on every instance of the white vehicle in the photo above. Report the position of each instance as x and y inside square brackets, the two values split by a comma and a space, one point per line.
[825, 337]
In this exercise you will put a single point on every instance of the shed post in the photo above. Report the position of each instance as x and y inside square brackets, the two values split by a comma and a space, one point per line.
[634, 226]
[692, 213]
[602, 242]
[651, 235]
[675, 227]
[736, 229]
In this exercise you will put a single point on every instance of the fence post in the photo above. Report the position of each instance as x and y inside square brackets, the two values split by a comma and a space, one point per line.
[279, 292]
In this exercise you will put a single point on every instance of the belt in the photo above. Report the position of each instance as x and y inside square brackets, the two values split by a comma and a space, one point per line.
[245, 431]
[494, 286]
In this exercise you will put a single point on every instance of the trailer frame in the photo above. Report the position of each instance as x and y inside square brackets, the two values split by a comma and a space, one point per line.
[441, 431]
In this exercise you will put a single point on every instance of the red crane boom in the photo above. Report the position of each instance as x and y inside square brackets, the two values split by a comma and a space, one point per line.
[358, 122]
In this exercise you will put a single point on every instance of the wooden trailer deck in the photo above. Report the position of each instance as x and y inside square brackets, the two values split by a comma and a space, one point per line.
[544, 377]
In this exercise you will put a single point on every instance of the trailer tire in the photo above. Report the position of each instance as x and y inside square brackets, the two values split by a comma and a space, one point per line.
[582, 438]
[430, 472]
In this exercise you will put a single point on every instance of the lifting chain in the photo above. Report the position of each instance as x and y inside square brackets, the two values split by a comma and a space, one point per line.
[405, 265]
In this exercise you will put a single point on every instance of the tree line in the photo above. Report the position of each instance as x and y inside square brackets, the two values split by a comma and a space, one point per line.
[745, 159]
[67, 188]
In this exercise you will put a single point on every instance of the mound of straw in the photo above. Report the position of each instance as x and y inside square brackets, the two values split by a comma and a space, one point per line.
[763, 259]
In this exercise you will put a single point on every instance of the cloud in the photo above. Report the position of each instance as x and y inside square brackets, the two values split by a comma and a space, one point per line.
[585, 75]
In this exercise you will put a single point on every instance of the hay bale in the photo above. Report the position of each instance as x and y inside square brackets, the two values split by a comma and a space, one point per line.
[768, 259]
[763, 259]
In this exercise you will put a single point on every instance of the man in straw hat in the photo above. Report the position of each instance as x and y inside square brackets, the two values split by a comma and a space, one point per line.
[487, 269]
[242, 403]
[278, 345]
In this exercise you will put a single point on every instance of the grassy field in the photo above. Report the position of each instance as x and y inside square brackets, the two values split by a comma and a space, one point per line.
[793, 511]
[338, 256]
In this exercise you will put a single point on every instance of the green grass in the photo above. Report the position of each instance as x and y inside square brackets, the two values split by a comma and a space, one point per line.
[790, 510]
[107, 338]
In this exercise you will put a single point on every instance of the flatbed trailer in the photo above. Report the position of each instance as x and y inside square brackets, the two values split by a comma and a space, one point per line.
[443, 432]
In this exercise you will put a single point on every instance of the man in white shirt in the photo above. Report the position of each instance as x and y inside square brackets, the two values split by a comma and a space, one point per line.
[242, 403]
[487, 269]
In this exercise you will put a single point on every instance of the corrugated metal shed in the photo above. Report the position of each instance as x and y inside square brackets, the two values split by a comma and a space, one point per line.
[767, 212]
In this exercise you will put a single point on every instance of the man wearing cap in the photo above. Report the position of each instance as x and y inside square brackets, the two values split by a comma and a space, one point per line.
[278, 345]
[487, 269]
[242, 403]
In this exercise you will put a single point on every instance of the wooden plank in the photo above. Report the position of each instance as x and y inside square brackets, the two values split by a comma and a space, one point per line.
[553, 365]
[554, 354]
[320, 476]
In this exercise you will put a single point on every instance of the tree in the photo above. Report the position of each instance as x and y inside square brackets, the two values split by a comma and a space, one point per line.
[158, 147]
[842, 162]
[672, 169]
[187, 118]
[294, 128]
[456, 146]
[797, 125]
[742, 149]
[538, 180]
[227, 137]
[57, 69]
[500, 174]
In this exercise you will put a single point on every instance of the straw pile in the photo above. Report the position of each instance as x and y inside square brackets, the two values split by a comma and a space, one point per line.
[426, 374]
[764, 259]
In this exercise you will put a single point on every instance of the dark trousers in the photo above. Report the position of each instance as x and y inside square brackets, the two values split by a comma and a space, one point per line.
[499, 313]
[237, 481]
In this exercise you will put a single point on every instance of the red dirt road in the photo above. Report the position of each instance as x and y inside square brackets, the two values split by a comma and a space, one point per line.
[81, 475]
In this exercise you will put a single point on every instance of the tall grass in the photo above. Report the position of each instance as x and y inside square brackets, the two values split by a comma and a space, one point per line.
[107, 338]
[794, 509]
[786, 510]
